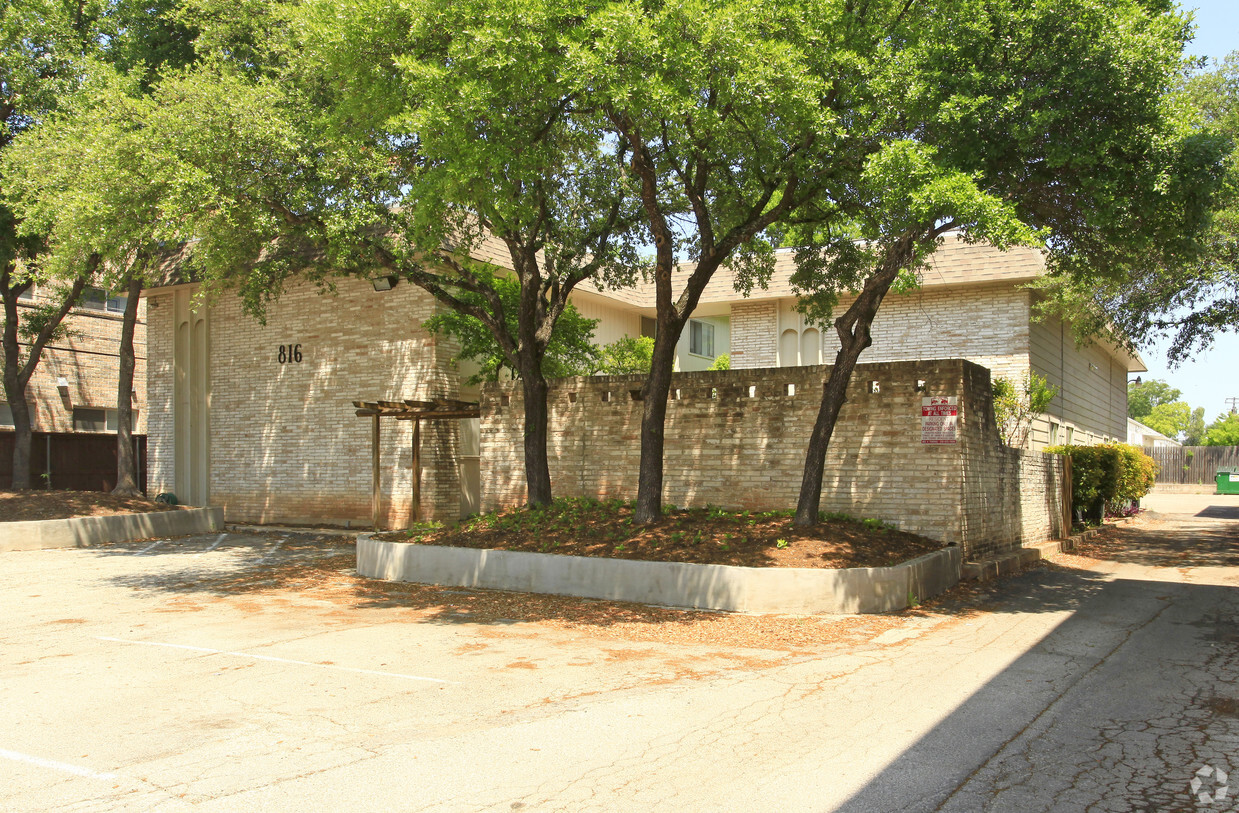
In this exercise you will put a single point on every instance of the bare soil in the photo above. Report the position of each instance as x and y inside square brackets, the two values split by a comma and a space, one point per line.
[698, 536]
[25, 506]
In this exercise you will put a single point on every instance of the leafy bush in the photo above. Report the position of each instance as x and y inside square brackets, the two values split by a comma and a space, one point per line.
[1137, 474]
[1015, 406]
[1107, 473]
[721, 362]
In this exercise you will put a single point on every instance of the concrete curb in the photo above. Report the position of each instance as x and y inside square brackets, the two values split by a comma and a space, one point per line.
[82, 532]
[676, 584]
[1016, 561]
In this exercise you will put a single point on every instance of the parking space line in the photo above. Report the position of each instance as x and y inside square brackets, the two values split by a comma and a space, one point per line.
[151, 546]
[209, 651]
[214, 545]
[63, 767]
[272, 550]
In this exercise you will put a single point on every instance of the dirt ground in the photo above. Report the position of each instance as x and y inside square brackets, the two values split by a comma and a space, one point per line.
[700, 535]
[24, 506]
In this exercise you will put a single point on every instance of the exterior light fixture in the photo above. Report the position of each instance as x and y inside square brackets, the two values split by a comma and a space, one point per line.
[62, 386]
[874, 387]
[384, 283]
[1138, 381]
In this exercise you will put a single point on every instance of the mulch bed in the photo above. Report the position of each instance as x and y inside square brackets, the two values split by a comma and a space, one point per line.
[24, 506]
[699, 536]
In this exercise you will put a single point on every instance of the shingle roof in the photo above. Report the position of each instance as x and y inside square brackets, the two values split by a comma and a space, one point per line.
[956, 262]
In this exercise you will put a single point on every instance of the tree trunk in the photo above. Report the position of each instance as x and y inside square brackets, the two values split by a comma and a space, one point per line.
[126, 456]
[537, 467]
[653, 422]
[15, 388]
[854, 336]
[21, 440]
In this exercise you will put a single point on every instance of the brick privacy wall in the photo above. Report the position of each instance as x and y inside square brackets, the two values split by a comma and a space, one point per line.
[89, 358]
[737, 439]
[1010, 497]
[286, 445]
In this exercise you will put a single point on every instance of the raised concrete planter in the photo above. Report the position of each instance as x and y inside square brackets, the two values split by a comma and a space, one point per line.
[82, 532]
[714, 587]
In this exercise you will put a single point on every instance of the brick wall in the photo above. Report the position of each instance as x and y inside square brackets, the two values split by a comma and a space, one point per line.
[285, 444]
[738, 438]
[754, 334]
[88, 357]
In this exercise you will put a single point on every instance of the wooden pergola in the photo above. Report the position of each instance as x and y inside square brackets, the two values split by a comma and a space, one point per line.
[436, 409]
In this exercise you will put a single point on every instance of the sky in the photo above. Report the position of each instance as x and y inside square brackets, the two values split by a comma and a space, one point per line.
[1211, 376]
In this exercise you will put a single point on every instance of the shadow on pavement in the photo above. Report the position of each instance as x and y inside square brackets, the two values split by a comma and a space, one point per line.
[1114, 709]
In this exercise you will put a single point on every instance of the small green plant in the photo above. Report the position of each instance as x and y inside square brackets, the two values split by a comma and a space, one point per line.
[913, 601]
[835, 516]
[669, 509]
[781, 544]
[620, 548]
[876, 525]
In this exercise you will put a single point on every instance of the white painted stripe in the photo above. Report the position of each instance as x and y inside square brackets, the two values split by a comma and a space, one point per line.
[271, 550]
[214, 545]
[63, 767]
[209, 651]
[151, 546]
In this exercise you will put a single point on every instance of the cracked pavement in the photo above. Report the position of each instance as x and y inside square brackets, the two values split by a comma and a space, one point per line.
[191, 678]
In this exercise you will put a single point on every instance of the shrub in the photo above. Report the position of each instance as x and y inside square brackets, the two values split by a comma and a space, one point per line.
[1109, 473]
[721, 362]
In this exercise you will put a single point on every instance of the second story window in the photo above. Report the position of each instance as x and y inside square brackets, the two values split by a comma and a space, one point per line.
[97, 299]
[700, 338]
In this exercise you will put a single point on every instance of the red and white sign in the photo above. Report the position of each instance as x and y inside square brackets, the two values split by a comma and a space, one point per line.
[939, 418]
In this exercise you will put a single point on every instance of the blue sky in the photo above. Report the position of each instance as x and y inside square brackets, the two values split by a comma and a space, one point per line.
[1212, 376]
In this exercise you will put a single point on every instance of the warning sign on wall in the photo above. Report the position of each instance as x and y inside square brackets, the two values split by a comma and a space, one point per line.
[939, 417]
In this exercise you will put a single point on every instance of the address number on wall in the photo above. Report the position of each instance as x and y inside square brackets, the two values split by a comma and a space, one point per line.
[289, 354]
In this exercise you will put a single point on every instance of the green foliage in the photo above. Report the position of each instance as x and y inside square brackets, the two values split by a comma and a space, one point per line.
[1137, 473]
[1095, 472]
[1142, 397]
[1015, 408]
[721, 362]
[627, 356]
[1190, 293]
[1107, 473]
[570, 351]
[1224, 431]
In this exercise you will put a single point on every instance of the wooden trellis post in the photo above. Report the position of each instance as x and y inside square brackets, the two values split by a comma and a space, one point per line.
[407, 410]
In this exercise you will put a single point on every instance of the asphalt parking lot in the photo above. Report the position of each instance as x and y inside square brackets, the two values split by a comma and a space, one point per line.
[247, 671]
[226, 671]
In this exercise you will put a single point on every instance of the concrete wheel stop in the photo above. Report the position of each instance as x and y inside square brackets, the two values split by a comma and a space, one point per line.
[675, 584]
[82, 532]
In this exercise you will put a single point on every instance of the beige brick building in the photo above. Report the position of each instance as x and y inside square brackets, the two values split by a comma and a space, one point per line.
[259, 418]
[74, 387]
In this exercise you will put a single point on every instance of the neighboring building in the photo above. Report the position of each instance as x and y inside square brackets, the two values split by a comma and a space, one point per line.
[259, 418]
[1147, 438]
[74, 387]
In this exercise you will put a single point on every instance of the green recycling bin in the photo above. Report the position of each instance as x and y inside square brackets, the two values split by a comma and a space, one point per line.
[1227, 480]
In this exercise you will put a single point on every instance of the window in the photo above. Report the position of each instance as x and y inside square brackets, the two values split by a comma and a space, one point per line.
[1054, 433]
[88, 419]
[26, 295]
[6, 415]
[648, 327]
[700, 338]
[97, 299]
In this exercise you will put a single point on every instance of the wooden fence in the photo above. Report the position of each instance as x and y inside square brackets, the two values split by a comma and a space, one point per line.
[70, 461]
[1193, 464]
